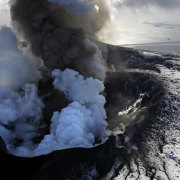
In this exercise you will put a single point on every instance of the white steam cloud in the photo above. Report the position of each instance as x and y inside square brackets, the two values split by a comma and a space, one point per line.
[77, 125]
[16, 67]
[20, 112]
[20, 116]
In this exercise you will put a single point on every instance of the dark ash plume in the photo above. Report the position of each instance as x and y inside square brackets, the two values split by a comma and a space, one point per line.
[59, 35]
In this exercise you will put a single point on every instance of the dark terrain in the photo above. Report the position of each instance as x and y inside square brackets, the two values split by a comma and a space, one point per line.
[143, 102]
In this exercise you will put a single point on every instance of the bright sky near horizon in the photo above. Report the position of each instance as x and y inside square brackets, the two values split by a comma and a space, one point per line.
[4, 13]
[143, 21]
[133, 21]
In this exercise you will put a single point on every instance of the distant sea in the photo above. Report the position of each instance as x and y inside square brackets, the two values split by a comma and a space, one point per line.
[169, 47]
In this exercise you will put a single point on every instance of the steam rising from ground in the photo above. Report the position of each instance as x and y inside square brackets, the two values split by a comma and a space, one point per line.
[16, 67]
[20, 115]
[62, 34]
[83, 120]
[77, 125]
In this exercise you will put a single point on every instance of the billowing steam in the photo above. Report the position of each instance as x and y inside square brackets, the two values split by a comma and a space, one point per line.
[83, 120]
[20, 116]
[16, 67]
[77, 125]
[62, 34]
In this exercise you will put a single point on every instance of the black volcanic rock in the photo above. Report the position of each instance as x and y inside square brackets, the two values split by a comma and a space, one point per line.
[66, 163]
[60, 164]
[2, 145]
[124, 88]
[13, 167]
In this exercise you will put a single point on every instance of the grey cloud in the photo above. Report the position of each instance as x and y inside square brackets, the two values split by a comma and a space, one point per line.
[162, 24]
[145, 3]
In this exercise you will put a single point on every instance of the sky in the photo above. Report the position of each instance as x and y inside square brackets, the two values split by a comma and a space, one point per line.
[133, 21]
[142, 21]
[4, 13]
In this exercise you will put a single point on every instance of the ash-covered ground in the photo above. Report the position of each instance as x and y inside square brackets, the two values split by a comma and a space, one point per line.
[142, 106]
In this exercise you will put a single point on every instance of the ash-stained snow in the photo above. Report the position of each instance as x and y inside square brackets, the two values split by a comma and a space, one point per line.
[159, 155]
